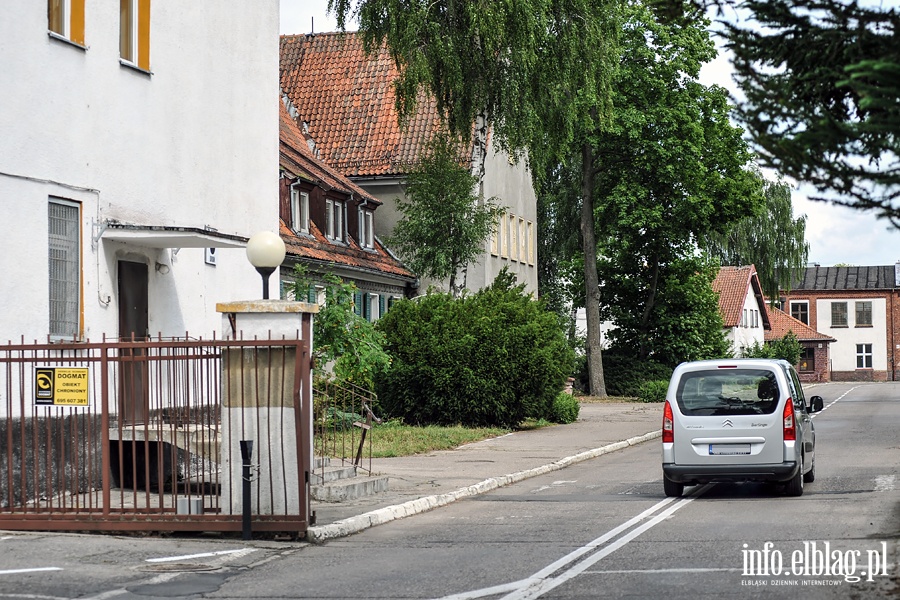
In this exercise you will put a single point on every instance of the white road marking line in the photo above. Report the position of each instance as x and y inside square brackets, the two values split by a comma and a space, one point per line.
[535, 583]
[833, 402]
[538, 588]
[884, 483]
[35, 570]
[203, 555]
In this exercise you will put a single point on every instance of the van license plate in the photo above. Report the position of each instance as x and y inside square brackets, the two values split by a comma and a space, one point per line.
[728, 449]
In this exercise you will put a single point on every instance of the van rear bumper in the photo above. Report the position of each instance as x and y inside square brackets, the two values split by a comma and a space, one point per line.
[696, 474]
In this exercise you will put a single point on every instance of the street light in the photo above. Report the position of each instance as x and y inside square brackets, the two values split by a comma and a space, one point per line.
[265, 251]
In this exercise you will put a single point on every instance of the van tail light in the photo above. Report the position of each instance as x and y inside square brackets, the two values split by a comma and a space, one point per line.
[668, 427]
[790, 429]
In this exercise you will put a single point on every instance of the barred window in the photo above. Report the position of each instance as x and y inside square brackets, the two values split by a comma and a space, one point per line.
[64, 235]
[864, 314]
[838, 314]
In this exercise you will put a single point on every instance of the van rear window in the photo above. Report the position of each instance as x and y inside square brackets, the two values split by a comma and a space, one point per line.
[731, 392]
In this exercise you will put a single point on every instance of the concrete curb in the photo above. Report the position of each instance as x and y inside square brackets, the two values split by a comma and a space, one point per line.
[345, 527]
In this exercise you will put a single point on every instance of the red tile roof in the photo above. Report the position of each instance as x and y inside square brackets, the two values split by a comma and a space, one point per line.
[297, 159]
[782, 323]
[733, 284]
[347, 100]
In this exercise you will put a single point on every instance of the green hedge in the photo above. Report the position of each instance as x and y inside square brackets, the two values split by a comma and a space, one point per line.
[624, 375]
[492, 359]
[653, 391]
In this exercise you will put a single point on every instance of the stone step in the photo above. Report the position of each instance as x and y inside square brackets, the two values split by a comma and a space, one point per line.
[348, 489]
[329, 474]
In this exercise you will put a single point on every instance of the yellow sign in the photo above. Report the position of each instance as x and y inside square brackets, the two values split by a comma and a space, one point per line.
[61, 386]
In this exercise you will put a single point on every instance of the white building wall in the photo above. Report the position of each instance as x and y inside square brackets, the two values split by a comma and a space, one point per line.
[193, 144]
[511, 184]
[843, 351]
[751, 331]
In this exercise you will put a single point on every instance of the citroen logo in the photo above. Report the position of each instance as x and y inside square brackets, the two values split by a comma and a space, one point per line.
[727, 423]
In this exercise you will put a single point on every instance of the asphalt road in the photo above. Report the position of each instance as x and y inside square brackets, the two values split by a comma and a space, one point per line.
[601, 528]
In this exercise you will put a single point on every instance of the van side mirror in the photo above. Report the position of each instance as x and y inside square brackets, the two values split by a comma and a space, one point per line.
[816, 403]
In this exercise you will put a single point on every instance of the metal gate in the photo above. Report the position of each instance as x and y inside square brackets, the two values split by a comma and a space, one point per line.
[144, 435]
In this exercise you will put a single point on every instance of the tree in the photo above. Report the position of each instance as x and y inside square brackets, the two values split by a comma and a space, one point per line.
[538, 71]
[672, 171]
[772, 239]
[347, 342]
[787, 348]
[444, 224]
[822, 96]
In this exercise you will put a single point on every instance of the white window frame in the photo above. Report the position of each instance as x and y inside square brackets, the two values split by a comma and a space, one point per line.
[68, 325]
[132, 59]
[800, 303]
[531, 242]
[374, 312]
[65, 17]
[299, 211]
[366, 228]
[513, 238]
[334, 220]
[864, 356]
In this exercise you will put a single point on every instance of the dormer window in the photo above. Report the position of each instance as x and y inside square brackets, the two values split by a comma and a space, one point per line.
[366, 228]
[334, 220]
[299, 211]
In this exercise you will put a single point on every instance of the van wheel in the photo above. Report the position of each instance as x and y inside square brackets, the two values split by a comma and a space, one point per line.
[794, 487]
[672, 489]
[811, 474]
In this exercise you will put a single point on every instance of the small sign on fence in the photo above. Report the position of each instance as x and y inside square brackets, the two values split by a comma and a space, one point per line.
[61, 386]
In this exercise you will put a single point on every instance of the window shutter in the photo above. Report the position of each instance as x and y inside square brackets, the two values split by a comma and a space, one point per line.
[367, 306]
[357, 303]
[381, 305]
[311, 294]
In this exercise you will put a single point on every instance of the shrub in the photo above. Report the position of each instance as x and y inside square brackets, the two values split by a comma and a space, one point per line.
[624, 375]
[565, 409]
[787, 348]
[653, 391]
[491, 359]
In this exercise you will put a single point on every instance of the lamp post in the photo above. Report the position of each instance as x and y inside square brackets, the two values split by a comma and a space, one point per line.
[265, 251]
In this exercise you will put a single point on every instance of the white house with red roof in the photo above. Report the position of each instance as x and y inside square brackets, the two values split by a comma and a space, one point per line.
[742, 306]
[345, 101]
[328, 225]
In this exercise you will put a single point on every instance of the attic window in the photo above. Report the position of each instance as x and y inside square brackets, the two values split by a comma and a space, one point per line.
[299, 211]
[334, 220]
[366, 229]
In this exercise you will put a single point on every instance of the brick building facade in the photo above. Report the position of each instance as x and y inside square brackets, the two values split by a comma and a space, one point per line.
[860, 308]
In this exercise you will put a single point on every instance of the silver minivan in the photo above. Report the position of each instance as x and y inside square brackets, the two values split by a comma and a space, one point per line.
[737, 420]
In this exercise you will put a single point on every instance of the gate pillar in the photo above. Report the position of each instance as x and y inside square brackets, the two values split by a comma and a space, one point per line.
[267, 399]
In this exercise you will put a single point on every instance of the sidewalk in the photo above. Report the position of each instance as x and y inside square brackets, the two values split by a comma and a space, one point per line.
[422, 482]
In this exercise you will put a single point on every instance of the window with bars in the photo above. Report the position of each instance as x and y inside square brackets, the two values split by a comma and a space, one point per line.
[864, 314]
[838, 314]
[64, 235]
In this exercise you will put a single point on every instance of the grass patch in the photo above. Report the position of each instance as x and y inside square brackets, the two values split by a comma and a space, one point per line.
[392, 438]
